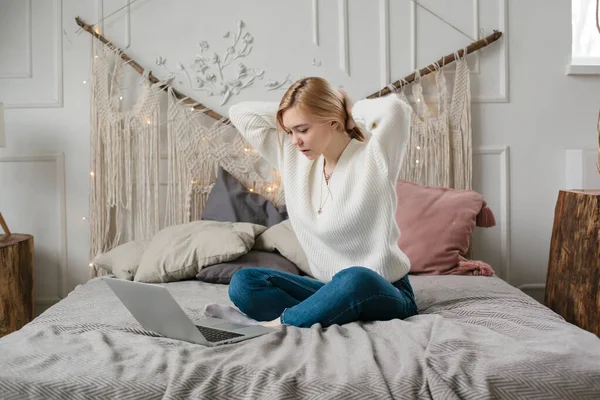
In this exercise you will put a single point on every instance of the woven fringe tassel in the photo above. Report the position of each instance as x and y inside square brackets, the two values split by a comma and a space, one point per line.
[472, 267]
[485, 218]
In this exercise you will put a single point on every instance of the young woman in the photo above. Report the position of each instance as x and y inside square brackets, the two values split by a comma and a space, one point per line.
[341, 201]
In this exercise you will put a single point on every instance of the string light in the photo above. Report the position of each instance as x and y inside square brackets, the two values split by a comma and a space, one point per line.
[417, 161]
[120, 97]
[84, 82]
[83, 218]
[91, 265]
[418, 147]
[92, 173]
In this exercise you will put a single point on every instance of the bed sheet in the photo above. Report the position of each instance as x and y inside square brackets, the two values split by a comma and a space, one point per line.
[475, 337]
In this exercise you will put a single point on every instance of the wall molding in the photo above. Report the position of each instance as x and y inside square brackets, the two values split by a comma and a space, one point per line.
[126, 17]
[100, 15]
[58, 54]
[59, 160]
[502, 96]
[502, 152]
[503, 75]
[581, 170]
[474, 34]
[413, 36]
[127, 39]
[47, 301]
[57, 100]
[28, 74]
[315, 21]
[343, 36]
[532, 287]
[384, 42]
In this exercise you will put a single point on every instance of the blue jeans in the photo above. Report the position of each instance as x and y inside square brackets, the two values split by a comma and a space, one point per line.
[353, 294]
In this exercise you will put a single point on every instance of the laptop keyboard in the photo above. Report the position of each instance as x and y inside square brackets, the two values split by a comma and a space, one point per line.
[216, 335]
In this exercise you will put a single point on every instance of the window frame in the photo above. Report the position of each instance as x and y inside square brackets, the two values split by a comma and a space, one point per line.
[582, 65]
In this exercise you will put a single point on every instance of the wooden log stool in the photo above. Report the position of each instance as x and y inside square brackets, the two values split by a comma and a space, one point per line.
[573, 277]
[16, 282]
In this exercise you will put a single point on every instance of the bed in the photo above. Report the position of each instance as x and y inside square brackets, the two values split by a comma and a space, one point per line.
[475, 337]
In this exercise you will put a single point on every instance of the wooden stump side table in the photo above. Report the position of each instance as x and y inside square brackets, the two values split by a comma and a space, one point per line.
[573, 276]
[16, 282]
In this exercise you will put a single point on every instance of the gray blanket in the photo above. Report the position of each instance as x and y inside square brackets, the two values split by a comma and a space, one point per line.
[475, 337]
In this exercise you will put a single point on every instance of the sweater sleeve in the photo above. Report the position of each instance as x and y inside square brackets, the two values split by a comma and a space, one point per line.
[256, 122]
[388, 120]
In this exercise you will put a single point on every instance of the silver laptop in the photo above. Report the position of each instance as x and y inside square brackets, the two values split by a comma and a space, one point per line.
[156, 310]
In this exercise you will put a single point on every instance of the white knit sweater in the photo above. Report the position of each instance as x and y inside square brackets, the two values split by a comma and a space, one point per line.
[357, 226]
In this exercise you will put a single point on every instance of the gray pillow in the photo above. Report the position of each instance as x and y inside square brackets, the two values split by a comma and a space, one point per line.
[222, 273]
[230, 201]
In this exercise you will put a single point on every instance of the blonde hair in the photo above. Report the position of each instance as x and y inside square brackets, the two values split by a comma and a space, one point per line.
[317, 97]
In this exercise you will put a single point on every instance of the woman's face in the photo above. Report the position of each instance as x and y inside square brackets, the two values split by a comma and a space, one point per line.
[310, 137]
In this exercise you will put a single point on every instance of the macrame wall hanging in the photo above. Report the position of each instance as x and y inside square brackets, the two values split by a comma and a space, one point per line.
[132, 149]
[439, 150]
[154, 164]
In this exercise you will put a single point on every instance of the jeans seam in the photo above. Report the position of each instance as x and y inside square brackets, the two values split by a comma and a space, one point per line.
[268, 279]
[362, 301]
[281, 317]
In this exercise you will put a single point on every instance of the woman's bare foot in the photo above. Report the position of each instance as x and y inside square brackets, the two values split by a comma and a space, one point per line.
[274, 323]
[228, 313]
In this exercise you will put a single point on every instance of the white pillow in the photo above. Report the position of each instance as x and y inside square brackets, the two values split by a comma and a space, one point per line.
[123, 260]
[282, 238]
[179, 252]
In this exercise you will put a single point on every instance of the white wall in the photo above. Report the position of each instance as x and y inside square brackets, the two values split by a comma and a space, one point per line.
[526, 111]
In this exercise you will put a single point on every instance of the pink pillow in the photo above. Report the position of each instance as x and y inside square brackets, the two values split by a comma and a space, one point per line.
[435, 228]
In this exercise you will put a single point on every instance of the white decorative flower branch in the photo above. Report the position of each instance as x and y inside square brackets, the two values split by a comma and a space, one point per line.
[209, 70]
[274, 85]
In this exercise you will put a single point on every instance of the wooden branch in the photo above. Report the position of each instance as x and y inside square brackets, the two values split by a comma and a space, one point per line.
[473, 47]
[151, 77]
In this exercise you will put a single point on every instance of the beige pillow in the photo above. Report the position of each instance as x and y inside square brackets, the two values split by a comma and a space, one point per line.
[123, 260]
[179, 252]
[282, 238]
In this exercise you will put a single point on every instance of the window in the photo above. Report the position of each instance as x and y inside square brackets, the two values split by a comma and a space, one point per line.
[585, 48]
